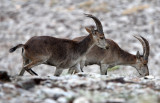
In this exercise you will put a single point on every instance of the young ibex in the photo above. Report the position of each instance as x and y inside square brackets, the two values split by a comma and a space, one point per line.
[116, 56]
[61, 53]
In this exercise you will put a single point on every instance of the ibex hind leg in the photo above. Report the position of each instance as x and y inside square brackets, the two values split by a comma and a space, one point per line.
[25, 62]
[32, 64]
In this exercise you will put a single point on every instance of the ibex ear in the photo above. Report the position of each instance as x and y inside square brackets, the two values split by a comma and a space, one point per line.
[88, 30]
[138, 55]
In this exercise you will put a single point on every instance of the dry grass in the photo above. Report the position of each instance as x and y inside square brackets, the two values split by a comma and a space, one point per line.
[135, 9]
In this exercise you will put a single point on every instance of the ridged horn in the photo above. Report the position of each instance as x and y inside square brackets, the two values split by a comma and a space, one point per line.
[146, 48]
[145, 45]
[97, 21]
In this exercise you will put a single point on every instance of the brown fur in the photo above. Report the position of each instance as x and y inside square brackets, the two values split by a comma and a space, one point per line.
[110, 54]
[113, 56]
[62, 53]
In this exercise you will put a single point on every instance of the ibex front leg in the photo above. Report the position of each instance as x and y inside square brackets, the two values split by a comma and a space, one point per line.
[75, 68]
[72, 69]
[82, 64]
[103, 68]
[58, 72]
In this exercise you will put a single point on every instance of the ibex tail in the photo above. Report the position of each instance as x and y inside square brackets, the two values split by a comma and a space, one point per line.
[14, 48]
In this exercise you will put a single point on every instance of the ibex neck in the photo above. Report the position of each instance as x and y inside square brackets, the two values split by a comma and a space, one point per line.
[126, 58]
[85, 45]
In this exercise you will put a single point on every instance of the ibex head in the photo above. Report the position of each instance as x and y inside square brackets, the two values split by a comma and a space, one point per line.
[142, 60]
[98, 35]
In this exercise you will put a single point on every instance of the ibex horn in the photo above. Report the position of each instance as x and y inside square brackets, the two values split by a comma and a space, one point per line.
[145, 45]
[97, 21]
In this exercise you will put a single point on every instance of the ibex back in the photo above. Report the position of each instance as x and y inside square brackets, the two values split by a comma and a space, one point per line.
[61, 53]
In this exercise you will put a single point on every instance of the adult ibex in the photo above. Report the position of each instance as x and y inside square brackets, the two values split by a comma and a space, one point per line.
[116, 56]
[62, 53]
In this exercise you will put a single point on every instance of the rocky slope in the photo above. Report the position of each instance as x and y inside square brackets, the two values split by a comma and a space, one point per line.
[22, 19]
[79, 88]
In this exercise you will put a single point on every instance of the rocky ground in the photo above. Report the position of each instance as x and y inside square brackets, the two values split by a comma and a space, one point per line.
[79, 88]
[121, 19]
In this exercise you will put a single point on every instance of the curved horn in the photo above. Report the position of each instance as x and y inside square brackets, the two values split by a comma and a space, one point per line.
[145, 45]
[147, 49]
[97, 21]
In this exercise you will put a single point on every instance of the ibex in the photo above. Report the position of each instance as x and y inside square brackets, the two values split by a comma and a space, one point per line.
[116, 56]
[61, 53]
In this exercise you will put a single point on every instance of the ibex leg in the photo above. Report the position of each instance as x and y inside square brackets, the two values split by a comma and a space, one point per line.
[71, 70]
[25, 62]
[58, 72]
[103, 69]
[32, 64]
[76, 68]
[82, 64]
